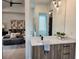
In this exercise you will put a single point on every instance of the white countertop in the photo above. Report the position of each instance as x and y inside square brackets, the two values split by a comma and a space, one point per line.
[51, 40]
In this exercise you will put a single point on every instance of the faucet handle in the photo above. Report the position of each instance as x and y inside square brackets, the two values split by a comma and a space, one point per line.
[41, 37]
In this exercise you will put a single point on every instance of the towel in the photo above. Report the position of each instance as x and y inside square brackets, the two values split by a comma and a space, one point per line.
[46, 47]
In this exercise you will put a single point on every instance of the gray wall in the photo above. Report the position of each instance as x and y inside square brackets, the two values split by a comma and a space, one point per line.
[7, 17]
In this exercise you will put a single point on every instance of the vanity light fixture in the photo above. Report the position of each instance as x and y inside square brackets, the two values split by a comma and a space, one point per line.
[49, 12]
[57, 8]
[54, 1]
[57, 3]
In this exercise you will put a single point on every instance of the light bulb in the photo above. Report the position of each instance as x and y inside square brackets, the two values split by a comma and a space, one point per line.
[57, 8]
[55, 5]
[49, 12]
[59, 2]
[54, 2]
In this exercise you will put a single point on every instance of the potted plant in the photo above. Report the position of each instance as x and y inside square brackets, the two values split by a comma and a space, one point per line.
[60, 34]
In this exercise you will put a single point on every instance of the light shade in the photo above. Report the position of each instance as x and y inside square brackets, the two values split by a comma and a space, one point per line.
[59, 2]
[54, 2]
[49, 12]
[57, 8]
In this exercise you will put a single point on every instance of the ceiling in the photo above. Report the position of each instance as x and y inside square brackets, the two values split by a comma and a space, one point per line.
[6, 4]
[41, 1]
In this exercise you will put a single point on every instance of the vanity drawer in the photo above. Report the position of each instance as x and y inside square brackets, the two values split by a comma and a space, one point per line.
[65, 56]
[66, 48]
[66, 45]
[65, 51]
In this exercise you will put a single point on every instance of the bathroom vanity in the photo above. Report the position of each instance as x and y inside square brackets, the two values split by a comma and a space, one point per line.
[59, 49]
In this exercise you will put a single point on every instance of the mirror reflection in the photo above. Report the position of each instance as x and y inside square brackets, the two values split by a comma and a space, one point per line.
[48, 17]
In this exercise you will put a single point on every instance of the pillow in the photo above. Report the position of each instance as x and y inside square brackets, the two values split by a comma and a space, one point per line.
[17, 34]
[13, 35]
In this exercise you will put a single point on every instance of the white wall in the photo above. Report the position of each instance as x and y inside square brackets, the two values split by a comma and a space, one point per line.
[16, 12]
[14, 9]
[71, 18]
[64, 20]
[7, 17]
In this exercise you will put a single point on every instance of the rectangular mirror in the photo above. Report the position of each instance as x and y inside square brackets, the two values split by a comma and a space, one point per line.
[48, 17]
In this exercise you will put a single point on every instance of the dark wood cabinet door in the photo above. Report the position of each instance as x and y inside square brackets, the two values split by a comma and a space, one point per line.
[65, 56]
[68, 51]
[36, 51]
[72, 51]
[58, 51]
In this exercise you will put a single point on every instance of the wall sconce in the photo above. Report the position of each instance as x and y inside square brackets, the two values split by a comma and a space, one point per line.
[57, 3]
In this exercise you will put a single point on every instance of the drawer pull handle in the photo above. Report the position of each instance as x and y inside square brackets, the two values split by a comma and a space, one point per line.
[66, 46]
[66, 53]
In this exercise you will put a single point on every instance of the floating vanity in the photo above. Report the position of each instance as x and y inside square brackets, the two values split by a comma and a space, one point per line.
[59, 48]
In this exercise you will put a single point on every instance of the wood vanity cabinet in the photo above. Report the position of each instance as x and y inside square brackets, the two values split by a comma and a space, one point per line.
[58, 51]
